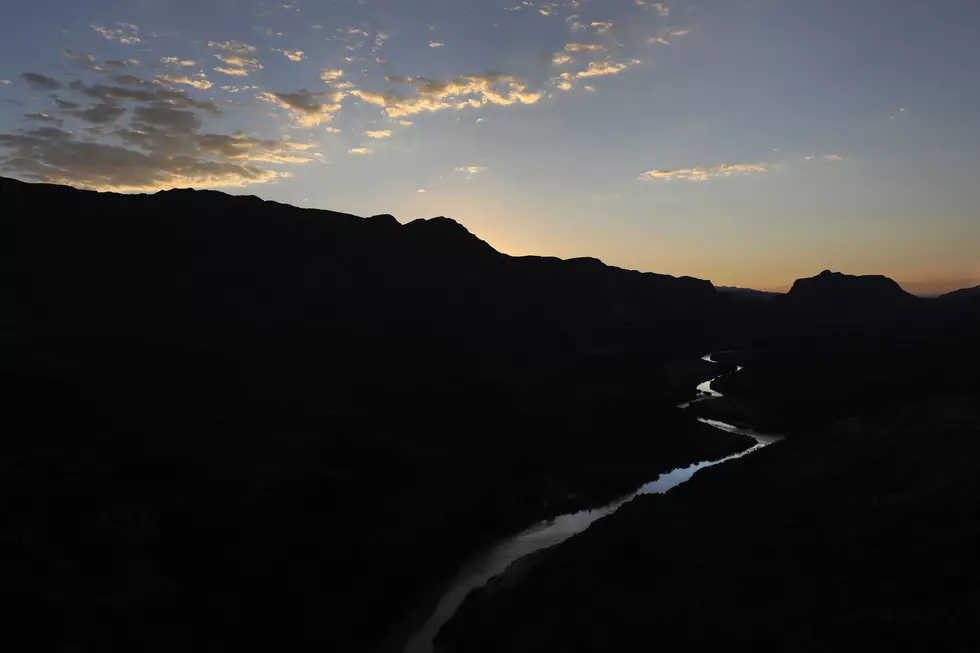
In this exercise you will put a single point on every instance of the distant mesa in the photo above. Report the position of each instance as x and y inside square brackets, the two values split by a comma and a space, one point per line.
[963, 294]
[838, 290]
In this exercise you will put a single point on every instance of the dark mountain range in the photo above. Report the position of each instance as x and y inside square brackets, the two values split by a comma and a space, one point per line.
[748, 293]
[963, 294]
[237, 424]
[240, 424]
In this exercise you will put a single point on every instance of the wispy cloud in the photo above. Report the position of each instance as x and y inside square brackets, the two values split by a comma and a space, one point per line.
[5, 82]
[660, 8]
[175, 61]
[332, 75]
[435, 44]
[833, 157]
[705, 174]
[233, 47]
[360, 150]
[384, 133]
[465, 91]
[585, 47]
[471, 171]
[603, 26]
[126, 33]
[41, 82]
[305, 107]
[663, 36]
[292, 55]
[199, 83]
[560, 59]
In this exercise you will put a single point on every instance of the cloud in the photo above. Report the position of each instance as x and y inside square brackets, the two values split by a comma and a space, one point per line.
[62, 104]
[147, 93]
[704, 174]
[200, 83]
[125, 63]
[331, 75]
[41, 117]
[129, 80]
[238, 65]
[471, 171]
[292, 55]
[405, 123]
[385, 133]
[125, 34]
[560, 59]
[233, 47]
[590, 89]
[304, 106]
[465, 91]
[603, 27]
[833, 157]
[659, 7]
[239, 89]
[360, 150]
[435, 44]
[585, 47]
[5, 82]
[179, 121]
[174, 61]
[100, 114]
[809, 158]
[152, 157]
[40, 82]
[333, 130]
[662, 36]
[86, 60]
[603, 68]
[421, 190]
[235, 72]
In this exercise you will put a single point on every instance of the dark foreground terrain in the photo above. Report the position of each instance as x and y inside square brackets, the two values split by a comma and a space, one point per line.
[236, 425]
[859, 531]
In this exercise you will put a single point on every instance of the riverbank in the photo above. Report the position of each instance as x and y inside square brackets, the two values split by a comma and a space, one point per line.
[505, 562]
[864, 533]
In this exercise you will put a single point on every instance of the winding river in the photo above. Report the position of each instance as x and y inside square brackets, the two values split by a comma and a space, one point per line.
[492, 562]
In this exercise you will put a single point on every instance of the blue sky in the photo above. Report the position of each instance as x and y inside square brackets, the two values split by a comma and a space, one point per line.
[750, 142]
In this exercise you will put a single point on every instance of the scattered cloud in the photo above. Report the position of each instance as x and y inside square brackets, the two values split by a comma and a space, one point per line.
[125, 63]
[590, 89]
[560, 59]
[200, 83]
[174, 61]
[330, 76]
[385, 133]
[421, 190]
[162, 150]
[705, 174]
[100, 114]
[40, 82]
[146, 92]
[126, 33]
[5, 82]
[471, 171]
[239, 89]
[405, 123]
[459, 93]
[41, 117]
[833, 157]
[662, 36]
[585, 47]
[292, 55]
[435, 44]
[809, 158]
[603, 27]
[86, 60]
[360, 150]
[305, 107]
[235, 72]
[233, 47]
[660, 8]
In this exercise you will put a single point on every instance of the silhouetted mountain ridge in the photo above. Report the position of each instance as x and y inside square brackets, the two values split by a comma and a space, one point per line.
[837, 290]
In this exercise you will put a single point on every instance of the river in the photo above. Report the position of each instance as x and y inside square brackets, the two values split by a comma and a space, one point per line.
[494, 561]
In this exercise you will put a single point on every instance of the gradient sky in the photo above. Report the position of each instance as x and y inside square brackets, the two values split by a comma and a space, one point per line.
[750, 142]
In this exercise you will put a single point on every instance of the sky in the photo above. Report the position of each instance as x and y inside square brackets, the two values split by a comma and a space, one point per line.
[749, 142]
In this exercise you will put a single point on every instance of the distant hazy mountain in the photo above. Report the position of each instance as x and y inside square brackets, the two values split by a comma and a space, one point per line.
[748, 293]
[963, 294]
